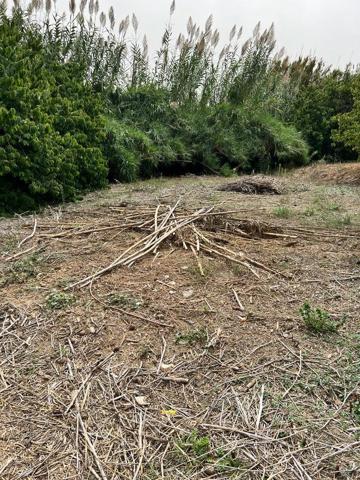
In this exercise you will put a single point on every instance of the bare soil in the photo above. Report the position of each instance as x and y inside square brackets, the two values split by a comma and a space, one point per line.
[184, 365]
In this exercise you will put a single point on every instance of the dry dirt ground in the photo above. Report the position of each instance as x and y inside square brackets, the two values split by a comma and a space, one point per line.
[187, 364]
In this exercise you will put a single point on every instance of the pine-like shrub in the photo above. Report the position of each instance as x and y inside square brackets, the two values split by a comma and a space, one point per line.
[51, 133]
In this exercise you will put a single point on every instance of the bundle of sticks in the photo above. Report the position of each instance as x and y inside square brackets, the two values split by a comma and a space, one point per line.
[186, 229]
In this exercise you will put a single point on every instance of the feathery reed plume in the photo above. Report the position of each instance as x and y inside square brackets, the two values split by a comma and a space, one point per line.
[91, 7]
[232, 33]
[189, 25]
[172, 7]
[256, 30]
[29, 9]
[82, 6]
[281, 52]
[222, 53]
[126, 24]
[121, 27]
[245, 46]
[111, 17]
[48, 6]
[102, 19]
[215, 39]
[200, 47]
[209, 23]
[72, 6]
[240, 33]
[135, 22]
[96, 7]
[145, 46]
[180, 41]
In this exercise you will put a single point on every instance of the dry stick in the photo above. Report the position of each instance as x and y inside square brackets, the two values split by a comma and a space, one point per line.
[333, 454]
[142, 252]
[161, 355]
[141, 441]
[261, 406]
[29, 236]
[139, 317]
[253, 262]
[5, 464]
[91, 447]
[20, 253]
[211, 250]
[301, 469]
[97, 365]
[198, 261]
[238, 300]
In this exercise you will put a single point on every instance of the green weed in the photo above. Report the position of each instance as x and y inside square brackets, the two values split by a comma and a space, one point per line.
[339, 221]
[317, 320]
[21, 270]
[59, 300]
[195, 444]
[192, 337]
[124, 300]
[282, 212]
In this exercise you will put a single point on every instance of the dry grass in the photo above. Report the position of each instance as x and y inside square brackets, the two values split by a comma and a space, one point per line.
[335, 174]
[212, 375]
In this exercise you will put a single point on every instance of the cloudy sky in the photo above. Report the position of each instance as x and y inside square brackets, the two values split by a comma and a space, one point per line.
[327, 28]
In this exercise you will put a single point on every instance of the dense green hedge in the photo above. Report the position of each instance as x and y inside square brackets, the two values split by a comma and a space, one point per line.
[51, 132]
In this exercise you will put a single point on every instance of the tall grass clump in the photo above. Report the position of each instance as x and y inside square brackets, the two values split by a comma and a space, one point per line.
[82, 103]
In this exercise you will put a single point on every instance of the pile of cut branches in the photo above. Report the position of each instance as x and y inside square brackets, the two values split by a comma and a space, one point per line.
[254, 185]
[189, 230]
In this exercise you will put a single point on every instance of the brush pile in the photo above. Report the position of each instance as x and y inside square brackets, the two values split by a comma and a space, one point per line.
[208, 230]
[254, 185]
[339, 174]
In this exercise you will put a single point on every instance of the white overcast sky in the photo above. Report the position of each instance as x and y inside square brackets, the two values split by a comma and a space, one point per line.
[326, 28]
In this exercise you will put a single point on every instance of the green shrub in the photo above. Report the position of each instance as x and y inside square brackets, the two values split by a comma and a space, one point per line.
[51, 132]
[282, 212]
[349, 123]
[59, 300]
[317, 320]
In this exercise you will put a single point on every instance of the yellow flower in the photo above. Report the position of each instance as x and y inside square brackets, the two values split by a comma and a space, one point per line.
[168, 412]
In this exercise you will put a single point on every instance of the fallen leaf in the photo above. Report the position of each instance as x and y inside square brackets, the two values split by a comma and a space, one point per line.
[142, 401]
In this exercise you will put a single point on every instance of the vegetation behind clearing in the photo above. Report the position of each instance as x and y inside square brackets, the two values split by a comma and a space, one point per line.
[82, 104]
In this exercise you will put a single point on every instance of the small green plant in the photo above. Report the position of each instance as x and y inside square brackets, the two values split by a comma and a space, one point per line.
[340, 221]
[59, 300]
[333, 207]
[317, 320]
[309, 212]
[124, 300]
[226, 170]
[21, 270]
[282, 212]
[195, 444]
[192, 337]
[145, 352]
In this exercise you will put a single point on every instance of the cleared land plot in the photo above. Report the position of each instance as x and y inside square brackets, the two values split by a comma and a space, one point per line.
[187, 364]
